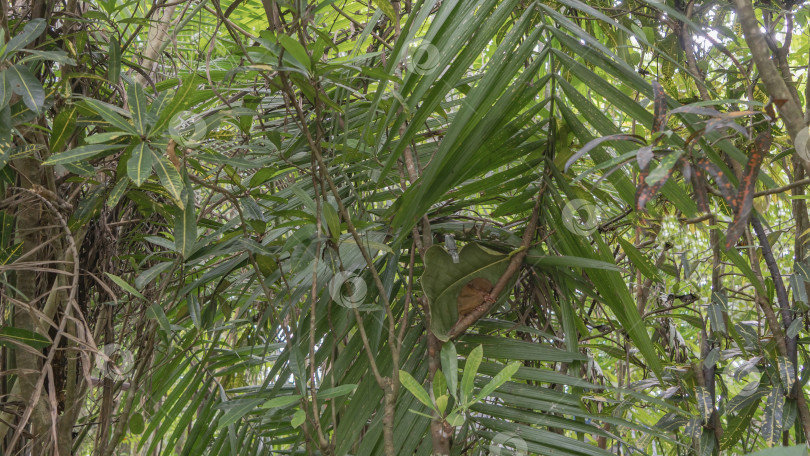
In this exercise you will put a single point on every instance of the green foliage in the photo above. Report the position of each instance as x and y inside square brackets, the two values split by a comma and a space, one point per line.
[443, 280]
[465, 398]
[249, 204]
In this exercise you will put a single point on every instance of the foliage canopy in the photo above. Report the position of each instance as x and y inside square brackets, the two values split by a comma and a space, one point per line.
[404, 227]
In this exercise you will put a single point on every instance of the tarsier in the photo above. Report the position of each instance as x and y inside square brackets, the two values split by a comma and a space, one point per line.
[472, 295]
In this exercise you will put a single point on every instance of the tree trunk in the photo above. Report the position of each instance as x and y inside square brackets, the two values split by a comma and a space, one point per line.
[29, 365]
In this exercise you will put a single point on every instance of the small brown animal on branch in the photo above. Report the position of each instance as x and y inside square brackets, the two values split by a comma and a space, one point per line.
[473, 295]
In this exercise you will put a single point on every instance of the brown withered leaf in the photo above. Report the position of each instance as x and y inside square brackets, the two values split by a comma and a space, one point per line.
[745, 195]
[723, 184]
[472, 295]
[699, 184]
[769, 111]
[659, 107]
[172, 154]
[647, 190]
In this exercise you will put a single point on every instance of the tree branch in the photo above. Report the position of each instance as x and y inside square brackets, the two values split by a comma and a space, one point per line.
[774, 83]
[787, 319]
